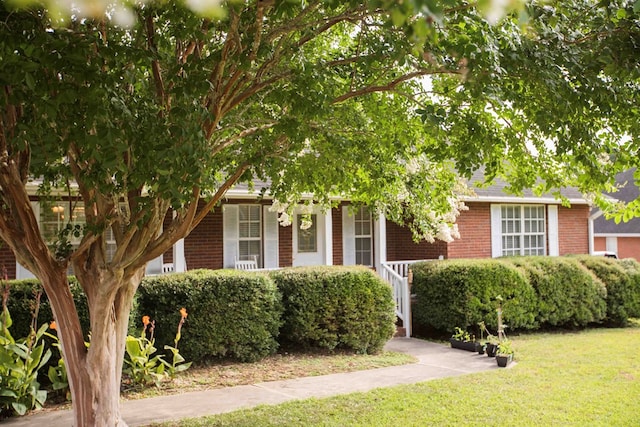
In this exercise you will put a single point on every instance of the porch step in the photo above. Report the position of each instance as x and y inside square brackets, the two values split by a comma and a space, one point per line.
[401, 331]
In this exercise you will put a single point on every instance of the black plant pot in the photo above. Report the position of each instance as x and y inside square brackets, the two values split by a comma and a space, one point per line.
[465, 345]
[491, 349]
[504, 359]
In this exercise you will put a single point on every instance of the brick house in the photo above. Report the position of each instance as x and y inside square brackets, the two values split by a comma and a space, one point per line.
[623, 238]
[244, 227]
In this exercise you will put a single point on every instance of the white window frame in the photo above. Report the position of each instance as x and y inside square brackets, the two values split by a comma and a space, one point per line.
[363, 216]
[519, 230]
[303, 239]
[249, 221]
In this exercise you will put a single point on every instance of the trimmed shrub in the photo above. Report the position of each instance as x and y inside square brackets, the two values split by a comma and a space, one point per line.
[632, 268]
[232, 314]
[568, 295]
[335, 307]
[461, 293]
[619, 287]
[22, 299]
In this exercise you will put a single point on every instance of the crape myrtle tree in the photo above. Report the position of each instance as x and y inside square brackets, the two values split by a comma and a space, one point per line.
[384, 104]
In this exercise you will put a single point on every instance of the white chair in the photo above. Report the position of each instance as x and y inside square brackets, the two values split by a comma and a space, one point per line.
[247, 265]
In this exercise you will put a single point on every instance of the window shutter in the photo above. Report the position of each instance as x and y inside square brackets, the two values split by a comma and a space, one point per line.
[496, 231]
[348, 237]
[552, 227]
[270, 238]
[230, 235]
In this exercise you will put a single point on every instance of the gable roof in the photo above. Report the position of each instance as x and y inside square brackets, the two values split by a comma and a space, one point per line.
[497, 192]
[628, 191]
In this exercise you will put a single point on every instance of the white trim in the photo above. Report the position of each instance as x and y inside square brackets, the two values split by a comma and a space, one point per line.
[523, 200]
[553, 234]
[616, 235]
[179, 261]
[271, 247]
[328, 238]
[496, 231]
[380, 241]
[591, 236]
[596, 214]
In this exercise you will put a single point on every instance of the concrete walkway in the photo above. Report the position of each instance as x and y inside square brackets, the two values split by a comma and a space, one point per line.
[434, 361]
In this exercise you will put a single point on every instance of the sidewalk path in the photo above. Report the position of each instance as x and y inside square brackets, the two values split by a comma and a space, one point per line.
[434, 361]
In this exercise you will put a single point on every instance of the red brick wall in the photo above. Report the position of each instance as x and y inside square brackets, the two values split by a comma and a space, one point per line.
[474, 226]
[203, 247]
[336, 220]
[573, 229]
[7, 260]
[629, 247]
[599, 243]
[400, 245]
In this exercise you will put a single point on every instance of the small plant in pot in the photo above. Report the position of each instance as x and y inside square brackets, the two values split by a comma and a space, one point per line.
[491, 345]
[504, 354]
[461, 339]
[483, 345]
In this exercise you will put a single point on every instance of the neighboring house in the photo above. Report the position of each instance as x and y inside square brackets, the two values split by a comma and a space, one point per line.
[622, 238]
[244, 228]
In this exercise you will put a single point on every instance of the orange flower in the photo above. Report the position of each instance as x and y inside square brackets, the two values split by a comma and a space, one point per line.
[52, 325]
[183, 312]
[145, 320]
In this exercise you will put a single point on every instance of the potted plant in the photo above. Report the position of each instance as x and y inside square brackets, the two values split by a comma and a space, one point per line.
[483, 345]
[504, 354]
[461, 339]
[491, 345]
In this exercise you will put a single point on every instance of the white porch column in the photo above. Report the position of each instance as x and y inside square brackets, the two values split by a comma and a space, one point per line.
[328, 238]
[179, 262]
[380, 239]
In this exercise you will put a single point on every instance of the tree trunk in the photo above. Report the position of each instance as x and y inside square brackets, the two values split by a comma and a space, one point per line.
[95, 373]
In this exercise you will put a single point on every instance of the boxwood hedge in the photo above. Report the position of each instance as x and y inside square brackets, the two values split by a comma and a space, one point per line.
[21, 303]
[568, 295]
[232, 314]
[335, 307]
[619, 296]
[462, 293]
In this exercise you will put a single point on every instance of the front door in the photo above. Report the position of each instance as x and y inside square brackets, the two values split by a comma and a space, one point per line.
[308, 243]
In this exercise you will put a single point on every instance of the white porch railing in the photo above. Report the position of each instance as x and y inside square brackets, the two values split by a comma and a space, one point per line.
[396, 274]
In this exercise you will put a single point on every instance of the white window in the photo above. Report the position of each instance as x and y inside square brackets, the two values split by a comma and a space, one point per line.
[54, 217]
[308, 237]
[522, 230]
[363, 236]
[250, 233]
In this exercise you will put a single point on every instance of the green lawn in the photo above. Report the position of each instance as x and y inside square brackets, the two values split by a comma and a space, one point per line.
[588, 378]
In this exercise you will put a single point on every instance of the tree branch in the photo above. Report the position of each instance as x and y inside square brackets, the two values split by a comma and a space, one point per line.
[392, 84]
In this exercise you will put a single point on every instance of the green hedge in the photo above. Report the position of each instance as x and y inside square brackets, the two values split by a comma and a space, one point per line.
[462, 293]
[232, 314]
[22, 299]
[619, 286]
[335, 307]
[632, 268]
[568, 295]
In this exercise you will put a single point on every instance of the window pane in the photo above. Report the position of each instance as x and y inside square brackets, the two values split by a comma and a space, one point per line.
[307, 239]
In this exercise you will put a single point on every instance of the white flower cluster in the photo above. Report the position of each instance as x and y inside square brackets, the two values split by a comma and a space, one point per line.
[282, 208]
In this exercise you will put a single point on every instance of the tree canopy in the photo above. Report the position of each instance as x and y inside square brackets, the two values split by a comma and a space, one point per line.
[383, 103]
